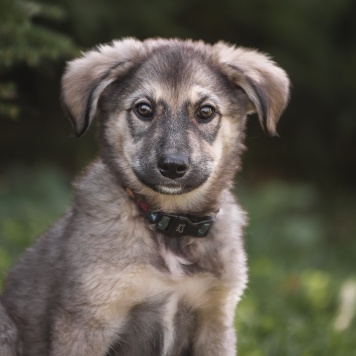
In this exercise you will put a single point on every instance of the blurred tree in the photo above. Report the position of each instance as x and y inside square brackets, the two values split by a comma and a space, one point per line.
[24, 43]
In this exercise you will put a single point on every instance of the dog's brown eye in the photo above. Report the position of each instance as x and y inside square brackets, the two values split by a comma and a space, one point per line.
[144, 110]
[206, 112]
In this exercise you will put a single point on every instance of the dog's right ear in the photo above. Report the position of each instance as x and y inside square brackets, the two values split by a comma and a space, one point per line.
[85, 79]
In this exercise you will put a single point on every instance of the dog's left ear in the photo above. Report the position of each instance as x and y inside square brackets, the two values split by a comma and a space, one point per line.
[266, 85]
[86, 78]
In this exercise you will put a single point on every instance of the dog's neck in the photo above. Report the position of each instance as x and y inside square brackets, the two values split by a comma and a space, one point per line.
[174, 225]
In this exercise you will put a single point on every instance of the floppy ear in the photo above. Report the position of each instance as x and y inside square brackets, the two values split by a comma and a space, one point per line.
[85, 79]
[266, 85]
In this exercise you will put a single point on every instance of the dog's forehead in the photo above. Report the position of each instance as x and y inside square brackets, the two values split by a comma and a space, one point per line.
[177, 75]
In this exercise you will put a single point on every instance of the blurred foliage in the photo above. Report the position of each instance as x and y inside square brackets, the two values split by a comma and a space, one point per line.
[22, 41]
[30, 200]
[294, 296]
[25, 43]
[296, 275]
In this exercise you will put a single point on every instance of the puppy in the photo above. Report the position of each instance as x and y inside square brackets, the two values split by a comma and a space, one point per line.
[149, 259]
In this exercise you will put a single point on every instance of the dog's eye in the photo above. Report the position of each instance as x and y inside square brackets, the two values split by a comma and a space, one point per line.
[144, 110]
[206, 112]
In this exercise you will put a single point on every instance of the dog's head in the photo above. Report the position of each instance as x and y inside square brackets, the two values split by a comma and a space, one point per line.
[173, 112]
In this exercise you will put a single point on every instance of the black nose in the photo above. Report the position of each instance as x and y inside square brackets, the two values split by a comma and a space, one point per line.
[173, 166]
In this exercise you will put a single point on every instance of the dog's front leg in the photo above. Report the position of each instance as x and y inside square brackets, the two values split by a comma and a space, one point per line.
[216, 332]
[82, 334]
[216, 340]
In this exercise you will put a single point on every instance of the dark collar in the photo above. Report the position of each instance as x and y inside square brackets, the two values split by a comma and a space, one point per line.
[172, 224]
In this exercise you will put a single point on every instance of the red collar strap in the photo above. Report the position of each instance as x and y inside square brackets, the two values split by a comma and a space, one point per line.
[172, 224]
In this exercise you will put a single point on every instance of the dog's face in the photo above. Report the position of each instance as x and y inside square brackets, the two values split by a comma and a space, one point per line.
[173, 120]
[173, 112]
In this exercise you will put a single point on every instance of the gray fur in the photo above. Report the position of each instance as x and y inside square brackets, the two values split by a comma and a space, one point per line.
[102, 280]
[9, 338]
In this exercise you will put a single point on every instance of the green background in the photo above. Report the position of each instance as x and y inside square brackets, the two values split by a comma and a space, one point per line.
[299, 189]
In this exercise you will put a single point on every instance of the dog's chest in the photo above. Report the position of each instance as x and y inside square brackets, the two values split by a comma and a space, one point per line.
[163, 314]
[163, 325]
[175, 265]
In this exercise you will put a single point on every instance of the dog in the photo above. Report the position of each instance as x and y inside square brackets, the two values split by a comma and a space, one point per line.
[149, 260]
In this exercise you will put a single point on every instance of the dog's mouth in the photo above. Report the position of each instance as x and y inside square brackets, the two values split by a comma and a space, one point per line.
[172, 189]
[168, 186]
[169, 190]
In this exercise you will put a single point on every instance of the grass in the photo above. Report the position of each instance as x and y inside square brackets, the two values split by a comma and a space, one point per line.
[301, 296]
[302, 273]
